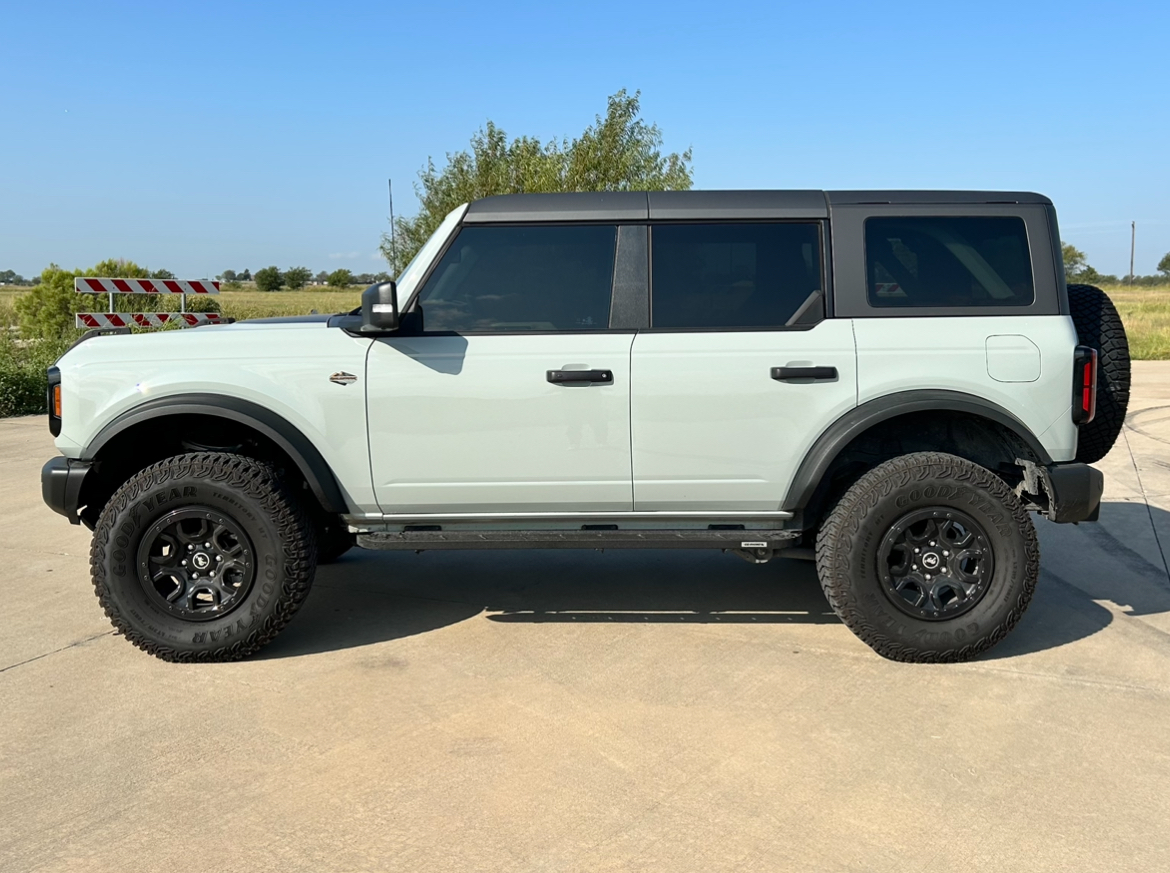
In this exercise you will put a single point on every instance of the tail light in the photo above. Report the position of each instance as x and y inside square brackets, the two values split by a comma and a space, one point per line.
[1084, 399]
[53, 401]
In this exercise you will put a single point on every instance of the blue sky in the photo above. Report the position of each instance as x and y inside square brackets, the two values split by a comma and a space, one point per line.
[213, 135]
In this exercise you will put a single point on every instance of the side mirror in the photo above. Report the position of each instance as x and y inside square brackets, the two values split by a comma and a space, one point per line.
[380, 308]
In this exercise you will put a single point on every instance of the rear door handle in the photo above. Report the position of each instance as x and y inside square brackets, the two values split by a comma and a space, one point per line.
[804, 374]
[565, 377]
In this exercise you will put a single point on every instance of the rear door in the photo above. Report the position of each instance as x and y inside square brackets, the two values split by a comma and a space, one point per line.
[739, 371]
[516, 396]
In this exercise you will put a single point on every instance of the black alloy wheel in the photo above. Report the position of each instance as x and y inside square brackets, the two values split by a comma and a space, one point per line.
[935, 563]
[196, 563]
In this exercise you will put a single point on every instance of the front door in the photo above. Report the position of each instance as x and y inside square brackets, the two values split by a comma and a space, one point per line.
[516, 398]
[739, 372]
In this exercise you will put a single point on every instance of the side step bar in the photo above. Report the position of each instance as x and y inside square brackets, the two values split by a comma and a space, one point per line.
[755, 542]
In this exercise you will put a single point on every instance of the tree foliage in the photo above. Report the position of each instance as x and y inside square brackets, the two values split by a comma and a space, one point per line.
[340, 278]
[269, 279]
[619, 152]
[47, 311]
[1078, 269]
[297, 277]
[1164, 265]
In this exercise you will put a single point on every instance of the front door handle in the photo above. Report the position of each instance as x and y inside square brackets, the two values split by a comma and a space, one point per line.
[594, 377]
[804, 374]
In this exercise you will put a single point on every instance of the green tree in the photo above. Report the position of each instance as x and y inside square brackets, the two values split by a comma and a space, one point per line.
[619, 152]
[1078, 269]
[47, 312]
[1164, 265]
[1074, 260]
[340, 278]
[228, 276]
[162, 274]
[269, 279]
[297, 277]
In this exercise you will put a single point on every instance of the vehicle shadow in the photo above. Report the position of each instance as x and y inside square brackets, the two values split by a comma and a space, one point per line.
[371, 597]
[1120, 560]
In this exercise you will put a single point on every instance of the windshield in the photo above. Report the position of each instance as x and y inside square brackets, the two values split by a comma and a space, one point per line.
[412, 275]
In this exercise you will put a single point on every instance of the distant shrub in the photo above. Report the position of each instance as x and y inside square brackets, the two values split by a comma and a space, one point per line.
[269, 279]
[340, 278]
[22, 369]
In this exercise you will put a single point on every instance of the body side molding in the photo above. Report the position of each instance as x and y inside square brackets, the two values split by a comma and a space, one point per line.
[304, 454]
[859, 419]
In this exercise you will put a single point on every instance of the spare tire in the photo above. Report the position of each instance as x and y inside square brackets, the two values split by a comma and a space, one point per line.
[1099, 326]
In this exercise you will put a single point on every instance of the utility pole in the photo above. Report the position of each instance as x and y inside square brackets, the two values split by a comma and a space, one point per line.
[393, 241]
[1132, 243]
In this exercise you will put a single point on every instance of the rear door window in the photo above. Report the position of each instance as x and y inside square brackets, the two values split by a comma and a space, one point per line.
[947, 262]
[505, 279]
[732, 275]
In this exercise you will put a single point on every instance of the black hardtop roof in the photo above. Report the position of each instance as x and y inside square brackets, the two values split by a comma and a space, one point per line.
[643, 205]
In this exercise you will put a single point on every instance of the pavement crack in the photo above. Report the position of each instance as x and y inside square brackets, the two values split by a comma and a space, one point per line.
[1146, 500]
[55, 651]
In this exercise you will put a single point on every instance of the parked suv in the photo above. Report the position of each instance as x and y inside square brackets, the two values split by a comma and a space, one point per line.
[886, 381]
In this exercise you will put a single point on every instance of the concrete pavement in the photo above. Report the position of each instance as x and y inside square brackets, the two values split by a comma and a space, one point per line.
[562, 711]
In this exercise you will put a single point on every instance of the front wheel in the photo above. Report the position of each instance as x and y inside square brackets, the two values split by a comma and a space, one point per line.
[202, 557]
[929, 557]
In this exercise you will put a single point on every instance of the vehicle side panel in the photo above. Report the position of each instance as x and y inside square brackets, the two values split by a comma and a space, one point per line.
[470, 423]
[712, 430]
[967, 354]
[285, 369]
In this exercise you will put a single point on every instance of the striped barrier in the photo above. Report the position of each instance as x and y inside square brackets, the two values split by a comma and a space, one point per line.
[84, 285]
[110, 287]
[147, 319]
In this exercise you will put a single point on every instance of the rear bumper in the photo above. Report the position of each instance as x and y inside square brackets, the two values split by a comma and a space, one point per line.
[61, 480]
[1074, 492]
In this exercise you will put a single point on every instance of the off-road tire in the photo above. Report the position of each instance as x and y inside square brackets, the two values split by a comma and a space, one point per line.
[850, 540]
[1099, 326]
[245, 491]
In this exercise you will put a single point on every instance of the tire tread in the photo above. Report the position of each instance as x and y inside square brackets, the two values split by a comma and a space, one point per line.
[254, 478]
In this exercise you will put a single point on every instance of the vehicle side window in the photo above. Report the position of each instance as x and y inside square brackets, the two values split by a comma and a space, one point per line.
[941, 261]
[522, 278]
[732, 275]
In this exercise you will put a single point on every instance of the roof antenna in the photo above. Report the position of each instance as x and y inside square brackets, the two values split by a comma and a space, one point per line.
[393, 241]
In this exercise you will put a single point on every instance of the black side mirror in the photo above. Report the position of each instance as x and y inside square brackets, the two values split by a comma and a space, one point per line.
[380, 308]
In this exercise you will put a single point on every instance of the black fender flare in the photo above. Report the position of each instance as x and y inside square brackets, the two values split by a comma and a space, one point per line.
[295, 444]
[860, 418]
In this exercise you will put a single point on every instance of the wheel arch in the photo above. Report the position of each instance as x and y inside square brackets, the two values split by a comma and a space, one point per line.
[238, 413]
[809, 481]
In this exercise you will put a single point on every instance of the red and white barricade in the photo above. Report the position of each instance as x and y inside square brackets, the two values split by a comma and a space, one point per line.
[147, 319]
[182, 287]
[83, 285]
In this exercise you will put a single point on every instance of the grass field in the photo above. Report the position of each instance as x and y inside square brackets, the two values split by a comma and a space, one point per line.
[1145, 311]
[1146, 314]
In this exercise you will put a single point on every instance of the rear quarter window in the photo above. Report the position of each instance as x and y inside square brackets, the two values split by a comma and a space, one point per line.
[948, 262]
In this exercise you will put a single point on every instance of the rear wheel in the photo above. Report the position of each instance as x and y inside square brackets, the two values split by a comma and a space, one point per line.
[1099, 326]
[928, 557]
[202, 557]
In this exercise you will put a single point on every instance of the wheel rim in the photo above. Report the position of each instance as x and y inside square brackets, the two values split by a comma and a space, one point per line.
[196, 564]
[935, 563]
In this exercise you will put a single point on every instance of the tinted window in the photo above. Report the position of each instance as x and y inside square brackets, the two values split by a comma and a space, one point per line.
[522, 278]
[948, 262]
[732, 275]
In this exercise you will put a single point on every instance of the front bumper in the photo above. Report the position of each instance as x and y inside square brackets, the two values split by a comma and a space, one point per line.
[61, 480]
[1074, 492]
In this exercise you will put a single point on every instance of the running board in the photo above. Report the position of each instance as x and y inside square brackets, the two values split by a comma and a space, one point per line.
[754, 541]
